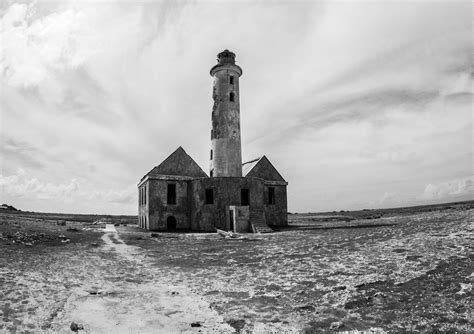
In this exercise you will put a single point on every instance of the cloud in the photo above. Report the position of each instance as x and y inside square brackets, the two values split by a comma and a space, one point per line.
[73, 193]
[449, 189]
[359, 96]
[19, 185]
[20, 152]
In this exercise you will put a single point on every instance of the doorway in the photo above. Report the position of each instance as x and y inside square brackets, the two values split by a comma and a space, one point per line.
[171, 223]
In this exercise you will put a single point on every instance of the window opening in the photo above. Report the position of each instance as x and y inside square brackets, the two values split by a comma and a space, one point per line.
[171, 193]
[244, 197]
[271, 195]
[231, 80]
[231, 97]
[211, 154]
[209, 196]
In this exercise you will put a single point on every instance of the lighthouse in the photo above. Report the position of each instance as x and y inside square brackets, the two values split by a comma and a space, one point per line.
[226, 149]
[177, 195]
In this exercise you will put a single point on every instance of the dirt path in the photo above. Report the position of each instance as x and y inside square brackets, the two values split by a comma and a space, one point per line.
[131, 305]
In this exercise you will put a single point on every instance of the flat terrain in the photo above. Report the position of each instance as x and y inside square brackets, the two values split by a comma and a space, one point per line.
[409, 272]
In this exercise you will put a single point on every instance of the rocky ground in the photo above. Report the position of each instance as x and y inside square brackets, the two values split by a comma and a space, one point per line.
[404, 273]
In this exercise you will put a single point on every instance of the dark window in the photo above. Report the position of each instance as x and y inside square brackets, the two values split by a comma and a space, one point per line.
[144, 195]
[212, 173]
[212, 134]
[231, 97]
[271, 195]
[211, 154]
[171, 193]
[244, 197]
[231, 80]
[209, 196]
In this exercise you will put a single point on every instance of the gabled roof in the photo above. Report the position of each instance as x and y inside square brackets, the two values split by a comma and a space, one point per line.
[178, 163]
[261, 168]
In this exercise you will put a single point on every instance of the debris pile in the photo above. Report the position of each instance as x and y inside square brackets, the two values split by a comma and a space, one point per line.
[28, 239]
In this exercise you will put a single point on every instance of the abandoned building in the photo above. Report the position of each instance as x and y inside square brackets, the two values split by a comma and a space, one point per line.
[240, 197]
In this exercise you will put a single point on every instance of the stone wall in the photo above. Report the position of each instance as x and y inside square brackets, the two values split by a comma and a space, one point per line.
[276, 214]
[159, 210]
[227, 192]
[193, 213]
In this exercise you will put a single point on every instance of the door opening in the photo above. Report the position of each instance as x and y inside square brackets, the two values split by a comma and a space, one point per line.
[171, 223]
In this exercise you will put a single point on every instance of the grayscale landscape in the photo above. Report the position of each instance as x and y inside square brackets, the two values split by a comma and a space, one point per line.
[223, 166]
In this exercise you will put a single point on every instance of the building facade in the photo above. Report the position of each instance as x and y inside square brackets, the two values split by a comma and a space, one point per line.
[250, 197]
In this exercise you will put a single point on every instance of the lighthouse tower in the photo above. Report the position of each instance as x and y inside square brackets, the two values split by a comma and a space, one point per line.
[226, 151]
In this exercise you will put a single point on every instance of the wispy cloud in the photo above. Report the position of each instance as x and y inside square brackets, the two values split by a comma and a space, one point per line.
[448, 190]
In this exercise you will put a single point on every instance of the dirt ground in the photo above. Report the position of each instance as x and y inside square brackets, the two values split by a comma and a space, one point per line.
[405, 273]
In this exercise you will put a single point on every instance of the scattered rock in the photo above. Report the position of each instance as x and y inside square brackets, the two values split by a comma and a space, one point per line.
[465, 288]
[72, 229]
[76, 327]
[173, 293]
[95, 244]
[117, 224]
[336, 325]
[379, 298]
[26, 238]
[307, 307]
[61, 223]
[196, 324]
[154, 235]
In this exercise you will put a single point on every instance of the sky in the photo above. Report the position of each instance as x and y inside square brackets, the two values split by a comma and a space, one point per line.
[358, 104]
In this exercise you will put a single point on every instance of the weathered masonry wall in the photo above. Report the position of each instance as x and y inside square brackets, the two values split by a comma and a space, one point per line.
[192, 212]
[227, 192]
[226, 148]
[276, 213]
[160, 210]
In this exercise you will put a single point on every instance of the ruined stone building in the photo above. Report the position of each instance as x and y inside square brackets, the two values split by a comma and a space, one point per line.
[241, 197]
